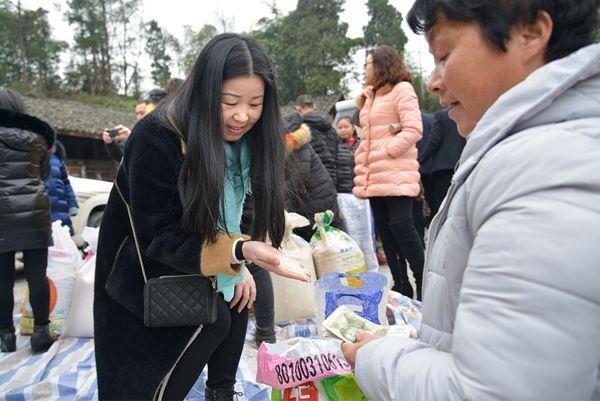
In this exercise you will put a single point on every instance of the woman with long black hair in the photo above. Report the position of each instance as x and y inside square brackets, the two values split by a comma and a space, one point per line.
[185, 174]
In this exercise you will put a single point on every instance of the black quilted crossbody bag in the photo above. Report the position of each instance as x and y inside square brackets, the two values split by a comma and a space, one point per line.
[175, 301]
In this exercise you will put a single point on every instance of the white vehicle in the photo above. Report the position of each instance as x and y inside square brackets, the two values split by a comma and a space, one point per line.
[92, 196]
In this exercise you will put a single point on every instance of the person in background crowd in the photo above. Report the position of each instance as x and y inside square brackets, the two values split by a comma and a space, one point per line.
[511, 305]
[309, 191]
[441, 155]
[173, 85]
[381, 259]
[187, 169]
[424, 171]
[156, 96]
[355, 118]
[386, 162]
[347, 145]
[24, 216]
[115, 144]
[63, 203]
[140, 110]
[324, 137]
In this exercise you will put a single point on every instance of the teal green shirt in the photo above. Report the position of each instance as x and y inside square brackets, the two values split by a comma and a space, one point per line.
[235, 187]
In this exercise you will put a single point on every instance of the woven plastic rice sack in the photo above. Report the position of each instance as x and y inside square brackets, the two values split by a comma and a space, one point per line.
[294, 299]
[80, 321]
[292, 363]
[63, 260]
[359, 225]
[333, 250]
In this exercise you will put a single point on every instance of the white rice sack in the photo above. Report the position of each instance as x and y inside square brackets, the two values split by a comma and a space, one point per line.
[333, 250]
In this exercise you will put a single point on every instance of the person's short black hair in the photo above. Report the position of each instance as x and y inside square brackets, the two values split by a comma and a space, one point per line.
[305, 101]
[575, 22]
[156, 95]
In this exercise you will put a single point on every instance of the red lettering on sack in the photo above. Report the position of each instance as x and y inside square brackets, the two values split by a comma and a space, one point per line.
[303, 392]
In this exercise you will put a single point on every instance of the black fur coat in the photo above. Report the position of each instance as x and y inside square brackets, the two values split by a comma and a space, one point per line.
[131, 359]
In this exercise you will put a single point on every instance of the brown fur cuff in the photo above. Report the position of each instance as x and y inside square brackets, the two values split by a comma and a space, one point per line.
[215, 258]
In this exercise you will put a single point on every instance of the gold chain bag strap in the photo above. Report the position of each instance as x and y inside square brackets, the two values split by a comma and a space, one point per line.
[178, 300]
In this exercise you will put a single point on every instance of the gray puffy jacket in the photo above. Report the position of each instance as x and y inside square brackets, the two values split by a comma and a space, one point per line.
[512, 280]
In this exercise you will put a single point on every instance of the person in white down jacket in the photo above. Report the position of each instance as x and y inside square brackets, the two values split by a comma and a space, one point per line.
[512, 272]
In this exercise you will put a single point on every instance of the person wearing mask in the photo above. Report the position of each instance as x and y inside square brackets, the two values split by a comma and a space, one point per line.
[511, 307]
[324, 137]
[186, 172]
[24, 216]
[63, 203]
[115, 138]
[441, 155]
[386, 162]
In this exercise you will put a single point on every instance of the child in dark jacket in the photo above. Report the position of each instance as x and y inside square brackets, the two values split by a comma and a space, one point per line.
[63, 203]
[348, 143]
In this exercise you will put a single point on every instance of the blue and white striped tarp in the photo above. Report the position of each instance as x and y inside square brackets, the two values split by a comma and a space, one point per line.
[67, 371]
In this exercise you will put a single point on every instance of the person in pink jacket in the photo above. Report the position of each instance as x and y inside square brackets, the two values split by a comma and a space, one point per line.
[387, 171]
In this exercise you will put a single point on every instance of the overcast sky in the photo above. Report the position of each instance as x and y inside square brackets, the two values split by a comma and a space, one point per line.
[174, 14]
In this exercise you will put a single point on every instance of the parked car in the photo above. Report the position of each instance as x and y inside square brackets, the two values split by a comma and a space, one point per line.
[92, 196]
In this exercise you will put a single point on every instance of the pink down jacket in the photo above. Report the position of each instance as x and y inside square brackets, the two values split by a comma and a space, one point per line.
[386, 162]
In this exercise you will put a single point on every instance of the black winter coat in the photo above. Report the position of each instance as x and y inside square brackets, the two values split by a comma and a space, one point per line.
[425, 165]
[115, 150]
[24, 166]
[324, 138]
[445, 144]
[310, 189]
[345, 165]
[131, 359]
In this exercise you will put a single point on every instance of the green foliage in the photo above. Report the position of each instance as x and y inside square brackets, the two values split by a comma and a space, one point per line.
[29, 55]
[428, 102]
[309, 47]
[193, 43]
[156, 47]
[90, 68]
[384, 27]
[127, 29]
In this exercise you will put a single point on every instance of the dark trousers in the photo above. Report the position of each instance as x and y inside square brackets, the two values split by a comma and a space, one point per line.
[419, 218]
[35, 262]
[393, 216]
[220, 346]
[437, 188]
[264, 305]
